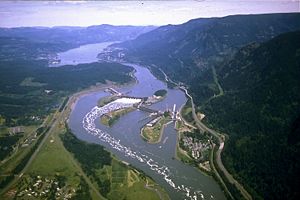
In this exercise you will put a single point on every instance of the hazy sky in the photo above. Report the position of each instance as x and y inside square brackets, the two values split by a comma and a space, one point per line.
[85, 13]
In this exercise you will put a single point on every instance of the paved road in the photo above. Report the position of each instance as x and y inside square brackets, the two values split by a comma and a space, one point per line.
[221, 142]
[57, 118]
[53, 121]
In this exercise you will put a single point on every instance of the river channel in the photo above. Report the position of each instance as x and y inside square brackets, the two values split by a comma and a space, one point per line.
[123, 138]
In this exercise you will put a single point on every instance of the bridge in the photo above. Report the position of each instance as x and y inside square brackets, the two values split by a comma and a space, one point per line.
[174, 112]
[146, 109]
[150, 110]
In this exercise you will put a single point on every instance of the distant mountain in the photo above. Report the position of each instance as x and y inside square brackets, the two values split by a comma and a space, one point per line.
[77, 35]
[181, 49]
[260, 110]
[32, 42]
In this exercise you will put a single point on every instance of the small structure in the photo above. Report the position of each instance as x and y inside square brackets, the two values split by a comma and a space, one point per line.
[113, 91]
[48, 91]
[201, 116]
[16, 129]
[174, 112]
[153, 122]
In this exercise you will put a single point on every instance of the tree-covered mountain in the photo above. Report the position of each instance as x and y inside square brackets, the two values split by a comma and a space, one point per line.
[37, 42]
[181, 49]
[255, 59]
[25, 75]
[260, 110]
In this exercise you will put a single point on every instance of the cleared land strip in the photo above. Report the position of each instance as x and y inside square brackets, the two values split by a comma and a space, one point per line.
[47, 133]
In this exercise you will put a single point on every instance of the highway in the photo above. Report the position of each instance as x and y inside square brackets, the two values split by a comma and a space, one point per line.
[17, 177]
[58, 117]
[221, 141]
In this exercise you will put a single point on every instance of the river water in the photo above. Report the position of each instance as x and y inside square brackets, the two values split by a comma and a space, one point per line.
[83, 54]
[123, 138]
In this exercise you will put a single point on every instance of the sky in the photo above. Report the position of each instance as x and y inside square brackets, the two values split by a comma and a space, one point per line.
[86, 13]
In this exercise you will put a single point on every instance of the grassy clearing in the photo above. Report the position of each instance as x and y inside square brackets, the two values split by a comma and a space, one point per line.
[53, 164]
[3, 130]
[183, 155]
[114, 179]
[53, 159]
[132, 178]
[128, 183]
[29, 81]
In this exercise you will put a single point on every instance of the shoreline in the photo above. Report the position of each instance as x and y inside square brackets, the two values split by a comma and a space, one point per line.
[80, 94]
[97, 88]
[72, 102]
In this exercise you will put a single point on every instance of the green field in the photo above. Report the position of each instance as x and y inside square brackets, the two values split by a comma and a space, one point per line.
[53, 159]
[55, 166]
[12, 151]
[128, 183]
[114, 179]
[183, 155]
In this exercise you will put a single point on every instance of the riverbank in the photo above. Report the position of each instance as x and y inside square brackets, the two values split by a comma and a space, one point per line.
[96, 88]
[123, 140]
[55, 163]
[153, 187]
[215, 158]
[109, 174]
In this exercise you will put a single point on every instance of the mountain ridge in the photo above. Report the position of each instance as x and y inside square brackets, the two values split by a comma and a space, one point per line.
[260, 111]
[77, 35]
[200, 42]
[256, 62]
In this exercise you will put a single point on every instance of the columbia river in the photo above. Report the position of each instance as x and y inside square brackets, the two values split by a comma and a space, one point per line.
[123, 139]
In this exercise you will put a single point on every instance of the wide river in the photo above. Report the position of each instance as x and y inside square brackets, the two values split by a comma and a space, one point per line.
[123, 138]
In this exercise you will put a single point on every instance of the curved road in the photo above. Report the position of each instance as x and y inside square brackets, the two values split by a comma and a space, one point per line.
[221, 141]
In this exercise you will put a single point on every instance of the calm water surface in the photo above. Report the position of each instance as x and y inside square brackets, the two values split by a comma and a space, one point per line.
[187, 180]
[83, 54]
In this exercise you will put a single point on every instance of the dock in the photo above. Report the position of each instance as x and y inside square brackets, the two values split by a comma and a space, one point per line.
[113, 91]
[146, 109]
